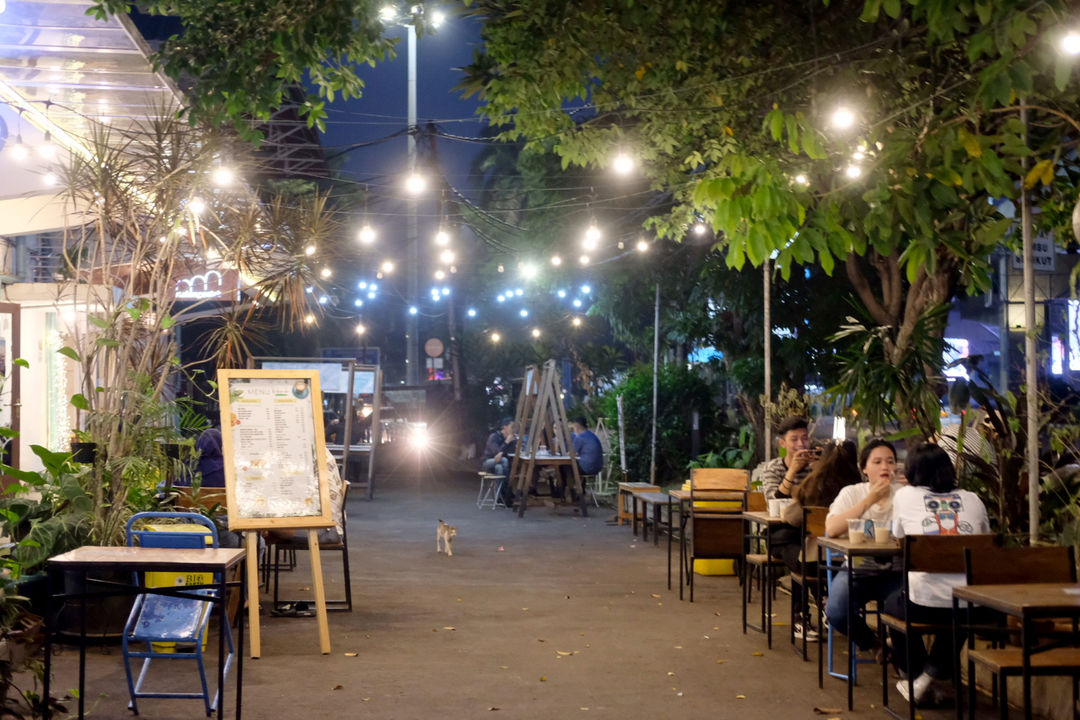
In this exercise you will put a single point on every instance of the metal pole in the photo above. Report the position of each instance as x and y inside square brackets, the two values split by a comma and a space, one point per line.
[1003, 331]
[655, 380]
[412, 330]
[1031, 360]
[767, 286]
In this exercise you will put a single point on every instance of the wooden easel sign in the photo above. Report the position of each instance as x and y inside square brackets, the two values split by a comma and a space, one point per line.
[275, 470]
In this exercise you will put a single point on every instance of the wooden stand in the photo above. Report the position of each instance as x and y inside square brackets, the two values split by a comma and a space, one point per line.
[540, 409]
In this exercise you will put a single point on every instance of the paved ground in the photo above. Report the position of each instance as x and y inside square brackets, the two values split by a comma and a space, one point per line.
[549, 616]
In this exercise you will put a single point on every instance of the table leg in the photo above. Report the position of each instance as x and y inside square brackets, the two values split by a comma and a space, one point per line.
[46, 710]
[767, 590]
[239, 650]
[744, 573]
[682, 547]
[1026, 637]
[633, 513]
[957, 685]
[82, 648]
[851, 635]
[669, 507]
[656, 524]
[223, 627]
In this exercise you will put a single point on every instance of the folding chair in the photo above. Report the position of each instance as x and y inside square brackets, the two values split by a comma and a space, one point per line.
[169, 619]
[1015, 566]
[930, 554]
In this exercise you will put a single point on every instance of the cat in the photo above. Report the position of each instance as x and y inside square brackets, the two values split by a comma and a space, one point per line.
[445, 536]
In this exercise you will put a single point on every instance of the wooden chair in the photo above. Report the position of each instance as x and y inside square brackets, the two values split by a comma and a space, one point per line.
[1014, 566]
[716, 532]
[813, 527]
[930, 554]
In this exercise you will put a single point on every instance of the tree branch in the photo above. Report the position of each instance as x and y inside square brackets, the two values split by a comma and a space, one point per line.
[865, 293]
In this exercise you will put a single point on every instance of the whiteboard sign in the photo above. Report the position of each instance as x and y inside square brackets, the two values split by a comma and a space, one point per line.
[274, 448]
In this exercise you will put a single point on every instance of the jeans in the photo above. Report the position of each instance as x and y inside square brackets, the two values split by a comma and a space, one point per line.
[876, 586]
[501, 468]
[938, 662]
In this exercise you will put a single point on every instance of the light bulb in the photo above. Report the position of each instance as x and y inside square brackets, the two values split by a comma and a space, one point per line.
[853, 171]
[592, 236]
[699, 228]
[387, 267]
[19, 151]
[309, 318]
[196, 206]
[47, 149]
[50, 179]
[440, 274]
[523, 313]
[446, 256]
[442, 237]
[415, 184]
[471, 312]
[367, 235]
[642, 246]
[413, 310]
[584, 259]
[495, 337]
[536, 332]
[528, 271]
[843, 118]
[222, 176]
[326, 272]
[576, 322]
[623, 164]
[1070, 44]
[309, 250]
[556, 260]
[360, 329]
[801, 179]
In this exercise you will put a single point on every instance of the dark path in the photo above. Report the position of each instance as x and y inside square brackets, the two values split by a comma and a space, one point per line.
[549, 616]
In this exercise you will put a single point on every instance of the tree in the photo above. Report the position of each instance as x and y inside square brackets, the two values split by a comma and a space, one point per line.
[245, 57]
[729, 115]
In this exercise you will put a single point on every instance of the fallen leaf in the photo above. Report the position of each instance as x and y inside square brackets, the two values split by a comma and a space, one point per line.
[588, 645]
[337, 687]
[524, 609]
[350, 654]
[680, 694]
[670, 673]
[449, 627]
[716, 613]
[659, 603]
[501, 549]
[584, 708]
[757, 654]
[716, 627]
[365, 699]
[459, 599]
[740, 697]
[564, 652]
[721, 662]
[543, 679]
[655, 595]
[705, 636]
[827, 711]
[678, 647]
[305, 589]
[539, 639]
[504, 667]
[493, 708]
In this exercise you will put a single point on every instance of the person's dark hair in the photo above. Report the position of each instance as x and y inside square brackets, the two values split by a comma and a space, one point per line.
[833, 471]
[864, 456]
[580, 420]
[792, 422]
[930, 466]
[505, 421]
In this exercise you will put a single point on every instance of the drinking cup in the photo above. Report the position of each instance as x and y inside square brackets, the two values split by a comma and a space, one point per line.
[856, 531]
[774, 508]
[881, 532]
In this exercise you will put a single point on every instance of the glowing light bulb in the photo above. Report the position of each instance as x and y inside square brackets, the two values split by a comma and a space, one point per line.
[586, 289]
[592, 236]
[360, 329]
[642, 246]
[699, 228]
[388, 13]
[561, 293]
[801, 179]
[495, 337]
[309, 318]
[584, 259]
[437, 19]
[471, 312]
[413, 310]
[415, 184]
[523, 313]
[501, 298]
[323, 299]
[19, 151]
[577, 303]
[623, 164]
[197, 206]
[853, 171]
[843, 118]
[50, 179]
[528, 271]
[536, 332]
[519, 292]
[440, 274]
[387, 267]
[447, 256]
[222, 176]
[358, 302]
[446, 291]
[309, 250]
[362, 285]
[47, 149]
[326, 272]
[556, 260]
[367, 235]
[1070, 44]
[576, 322]
[442, 237]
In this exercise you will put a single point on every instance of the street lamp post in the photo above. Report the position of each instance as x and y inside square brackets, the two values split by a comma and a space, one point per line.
[412, 329]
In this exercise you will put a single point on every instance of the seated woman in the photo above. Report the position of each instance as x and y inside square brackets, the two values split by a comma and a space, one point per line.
[931, 505]
[870, 500]
[833, 471]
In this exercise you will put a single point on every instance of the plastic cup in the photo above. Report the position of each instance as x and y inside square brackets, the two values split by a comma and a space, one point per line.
[856, 532]
[774, 508]
[881, 533]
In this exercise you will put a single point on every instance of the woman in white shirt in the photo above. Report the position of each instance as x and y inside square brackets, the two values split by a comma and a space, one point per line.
[872, 501]
[931, 505]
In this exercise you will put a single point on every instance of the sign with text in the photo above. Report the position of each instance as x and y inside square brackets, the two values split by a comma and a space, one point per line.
[1044, 254]
[274, 449]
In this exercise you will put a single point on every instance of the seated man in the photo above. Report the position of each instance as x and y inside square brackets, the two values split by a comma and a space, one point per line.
[587, 449]
[497, 450]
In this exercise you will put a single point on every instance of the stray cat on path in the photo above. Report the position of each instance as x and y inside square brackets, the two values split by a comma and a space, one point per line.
[445, 536]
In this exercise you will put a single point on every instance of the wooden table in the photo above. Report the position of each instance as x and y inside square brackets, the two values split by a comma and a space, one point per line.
[1027, 602]
[626, 492]
[761, 519]
[656, 499]
[526, 482]
[140, 560]
[683, 496]
[868, 549]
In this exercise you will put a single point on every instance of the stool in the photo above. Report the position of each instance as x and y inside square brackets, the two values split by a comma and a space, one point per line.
[625, 496]
[491, 486]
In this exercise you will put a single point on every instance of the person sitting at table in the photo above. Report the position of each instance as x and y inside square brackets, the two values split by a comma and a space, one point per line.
[209, 465]
[833, 471]
[870, 500]
[931, 504]
[781, 475]
[587, 450]
[500, 444]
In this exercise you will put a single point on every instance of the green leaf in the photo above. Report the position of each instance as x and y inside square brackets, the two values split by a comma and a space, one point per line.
[99, 321]
[870, 11]
[108, 342]
[775, 120]
[892, 8]
[1063, 68]
[70, 353]
[167, 322]
[1043, 172]
[80, 401]
[21, 362]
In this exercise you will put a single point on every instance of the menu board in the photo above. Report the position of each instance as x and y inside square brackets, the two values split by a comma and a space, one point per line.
[274, 449]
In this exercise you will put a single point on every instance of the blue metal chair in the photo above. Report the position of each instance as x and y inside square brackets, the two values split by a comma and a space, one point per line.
[167, 619]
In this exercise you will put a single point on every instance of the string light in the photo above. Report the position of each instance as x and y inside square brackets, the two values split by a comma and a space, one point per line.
[1070, 44]
[413, 310]
[471, 312]
[447, 256]
[367, 235]
[843, 118]
[623, 164]
[699, 228]
[592, 237]
[326, 272]
[501, 298]
[495, 337]
[47, 149]
[440, 274]
[642, 246]
[309, 250]
[561, 293]
[801, 179]
[309, 318]
[528, 271]
[853, 171]
[446, 291]
[196, 206]
[519, 292]
[442, 238]
[576, 303]
[358, 302]
[536, 332]
[586, 289]
[523, 313]
[556, 260]
[50, 179]
[360, 329]
[222, 176]
[19, 151]
[415, 184]
[323, 299]
[576, 322]
[584, 259]
[387, 267]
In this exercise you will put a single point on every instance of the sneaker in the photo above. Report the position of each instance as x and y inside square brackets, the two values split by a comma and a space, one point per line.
[802, 628]
[921, 687]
